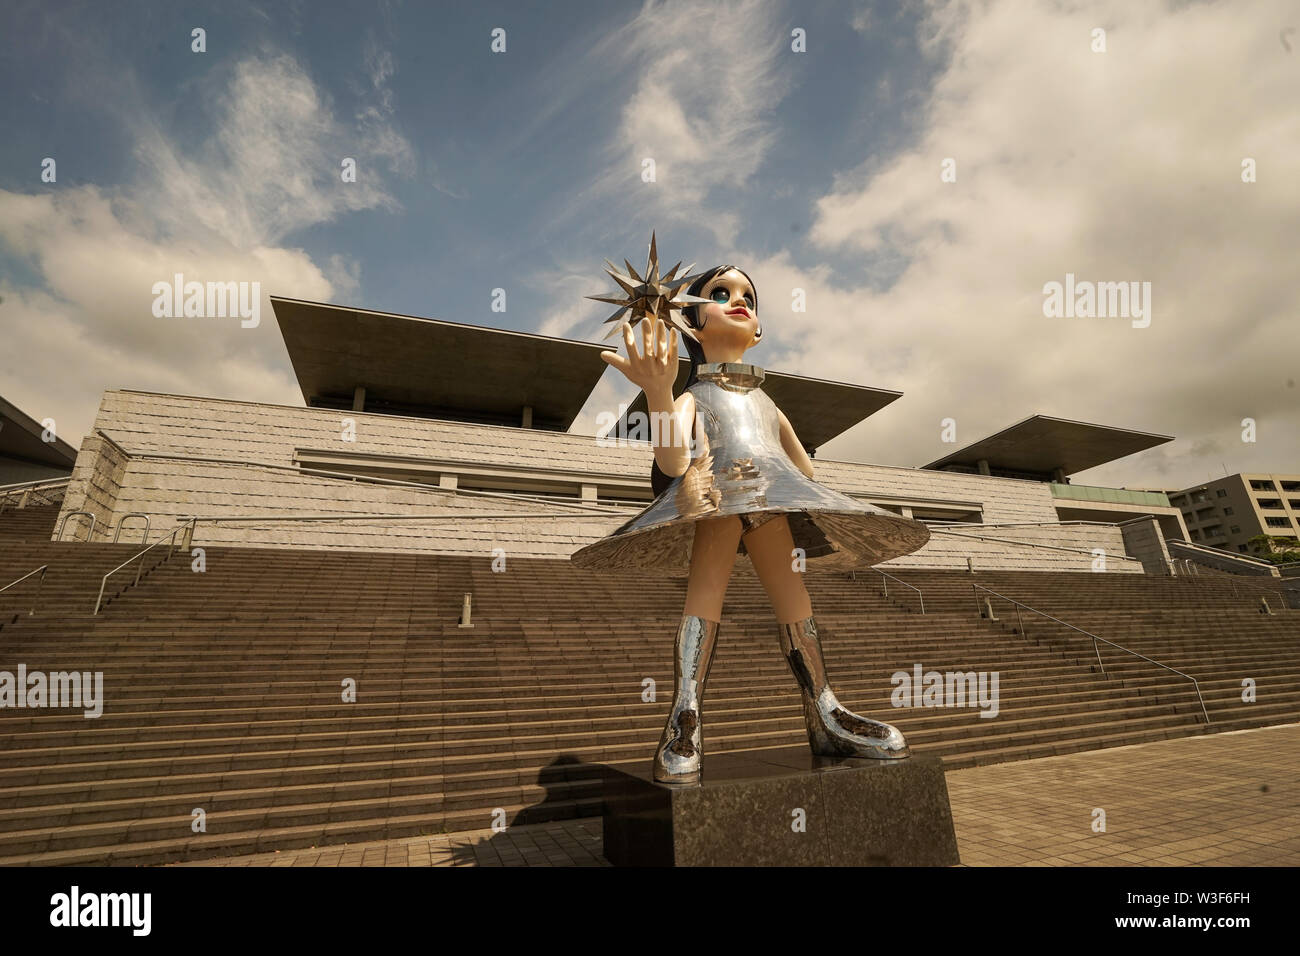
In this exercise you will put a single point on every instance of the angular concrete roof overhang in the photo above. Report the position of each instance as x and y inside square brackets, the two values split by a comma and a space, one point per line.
[818, 409]
[1042, 444]
[444, 369]
[20, 437]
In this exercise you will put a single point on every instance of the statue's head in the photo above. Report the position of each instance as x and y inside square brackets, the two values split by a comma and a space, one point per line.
[728, 324]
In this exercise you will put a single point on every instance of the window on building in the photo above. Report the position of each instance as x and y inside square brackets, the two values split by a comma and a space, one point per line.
[1242, 548]
[1272, 504]
[1278, 522]
[1220, 493]
[1235, 529]
[1261, 485]
[1227, 509]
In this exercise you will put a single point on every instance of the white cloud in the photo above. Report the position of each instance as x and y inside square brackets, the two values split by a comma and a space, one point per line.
[219, 211]
[1116, 166]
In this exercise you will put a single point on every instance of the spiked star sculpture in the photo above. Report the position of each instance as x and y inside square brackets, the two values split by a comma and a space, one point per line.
[652, 294]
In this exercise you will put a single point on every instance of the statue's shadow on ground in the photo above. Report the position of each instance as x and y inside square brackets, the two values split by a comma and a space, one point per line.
[565, 779]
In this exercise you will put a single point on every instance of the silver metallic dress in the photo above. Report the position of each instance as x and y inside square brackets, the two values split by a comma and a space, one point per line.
[740, 468]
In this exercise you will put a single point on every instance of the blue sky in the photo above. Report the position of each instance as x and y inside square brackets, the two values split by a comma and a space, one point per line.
[816, 170]
[502, 147]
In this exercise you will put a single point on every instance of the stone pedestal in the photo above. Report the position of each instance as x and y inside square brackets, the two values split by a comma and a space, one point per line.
[855, 812]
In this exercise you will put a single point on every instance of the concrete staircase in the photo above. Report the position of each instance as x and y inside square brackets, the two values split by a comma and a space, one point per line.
[223, 688]
[1209, 627]
[34, 523]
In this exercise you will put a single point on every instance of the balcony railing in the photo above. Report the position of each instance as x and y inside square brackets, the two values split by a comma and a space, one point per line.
[1117, 496]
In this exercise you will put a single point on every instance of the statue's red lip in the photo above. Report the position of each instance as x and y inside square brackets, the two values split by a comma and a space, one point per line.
[738, 312]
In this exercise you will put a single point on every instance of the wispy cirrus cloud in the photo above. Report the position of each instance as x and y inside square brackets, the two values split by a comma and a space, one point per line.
[709, 79]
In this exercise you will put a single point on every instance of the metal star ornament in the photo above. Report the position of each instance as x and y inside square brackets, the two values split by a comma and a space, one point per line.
[652, 294]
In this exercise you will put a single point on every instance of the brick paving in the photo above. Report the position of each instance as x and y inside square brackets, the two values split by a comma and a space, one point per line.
[1230, 799]
[563, 843]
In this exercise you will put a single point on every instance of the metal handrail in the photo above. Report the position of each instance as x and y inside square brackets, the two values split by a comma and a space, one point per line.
[15, 485]
[1020, 623]
[73, 514]
[171, 537]
[363, 516]
[887, 577]
[1221, 552]
[28, 488]
[133, 514]
[39, 581]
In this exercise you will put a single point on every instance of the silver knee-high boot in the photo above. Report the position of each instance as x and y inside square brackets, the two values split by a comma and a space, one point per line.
[833, 731]
[678, 758]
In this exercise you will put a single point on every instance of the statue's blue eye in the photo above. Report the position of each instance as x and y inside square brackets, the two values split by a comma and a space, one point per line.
[721, 295]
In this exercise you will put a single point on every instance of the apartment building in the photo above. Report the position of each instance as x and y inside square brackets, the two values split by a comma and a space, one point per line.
[1227, 512]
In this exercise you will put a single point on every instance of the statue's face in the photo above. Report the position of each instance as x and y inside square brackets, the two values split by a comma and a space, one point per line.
[731, 316]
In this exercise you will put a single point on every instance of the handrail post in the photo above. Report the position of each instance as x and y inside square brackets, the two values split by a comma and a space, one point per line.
[1096, 650]
[1197, 687]
[39, 574]
[39, 581]
[73, 514]
[134, 514]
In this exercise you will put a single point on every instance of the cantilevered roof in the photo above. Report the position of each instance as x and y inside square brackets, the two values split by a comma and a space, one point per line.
[1041, 444]
[20, 438]
[818, 409]
[417, 366]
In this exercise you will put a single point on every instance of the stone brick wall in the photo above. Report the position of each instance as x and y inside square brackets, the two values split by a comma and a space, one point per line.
[1143, 540]
[998, 549]
[96, 481]
[172, 490]
[1003, 499]
[151, 424]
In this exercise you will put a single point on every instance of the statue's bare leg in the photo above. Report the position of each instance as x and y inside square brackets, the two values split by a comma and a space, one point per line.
[713, 555]
[833, 730]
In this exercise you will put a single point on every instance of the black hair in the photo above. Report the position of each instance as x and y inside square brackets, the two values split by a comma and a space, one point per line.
[658, 480]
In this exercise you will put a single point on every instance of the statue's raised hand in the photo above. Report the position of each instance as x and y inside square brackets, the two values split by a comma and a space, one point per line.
[654, 368]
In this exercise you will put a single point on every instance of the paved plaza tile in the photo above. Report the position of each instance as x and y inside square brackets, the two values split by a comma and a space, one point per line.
[1215, 800]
